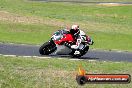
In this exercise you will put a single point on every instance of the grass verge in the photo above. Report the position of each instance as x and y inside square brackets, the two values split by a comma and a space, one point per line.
[18, 72]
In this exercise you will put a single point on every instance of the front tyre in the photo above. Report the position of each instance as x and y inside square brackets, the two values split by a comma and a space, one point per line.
[47, 48]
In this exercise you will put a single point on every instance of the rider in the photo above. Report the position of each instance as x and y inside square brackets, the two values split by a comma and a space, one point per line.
[78, 35]
[74, 36]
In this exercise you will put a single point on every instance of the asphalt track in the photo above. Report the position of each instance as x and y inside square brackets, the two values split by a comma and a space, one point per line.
[32, 50]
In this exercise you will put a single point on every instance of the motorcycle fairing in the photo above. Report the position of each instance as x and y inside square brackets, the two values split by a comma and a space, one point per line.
[62, 50]
[66, 38]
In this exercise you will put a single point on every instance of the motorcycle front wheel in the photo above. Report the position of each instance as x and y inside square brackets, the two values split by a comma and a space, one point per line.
[47, 48]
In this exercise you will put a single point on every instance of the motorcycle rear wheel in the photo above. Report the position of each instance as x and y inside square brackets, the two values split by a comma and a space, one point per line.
[82, 52]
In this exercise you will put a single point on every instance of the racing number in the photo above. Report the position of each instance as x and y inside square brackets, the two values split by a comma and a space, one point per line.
[83, 37]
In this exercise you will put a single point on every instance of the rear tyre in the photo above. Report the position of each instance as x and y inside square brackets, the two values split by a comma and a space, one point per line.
[82, 52]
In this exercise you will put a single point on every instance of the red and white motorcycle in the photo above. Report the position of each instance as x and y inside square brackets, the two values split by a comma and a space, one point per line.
[63, 43]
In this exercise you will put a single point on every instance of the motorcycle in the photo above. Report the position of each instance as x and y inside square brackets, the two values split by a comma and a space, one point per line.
[63, 43]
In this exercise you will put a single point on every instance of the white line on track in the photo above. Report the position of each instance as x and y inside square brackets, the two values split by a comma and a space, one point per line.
[39, 57]
[9, 55]
[92, 60]
[76, 59]
[23, 56]
[49, 57]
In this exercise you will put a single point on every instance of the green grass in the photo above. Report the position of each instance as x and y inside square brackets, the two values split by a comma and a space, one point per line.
[94, 0]
[37, 34]
[18, 72]
[23, 33]
[110, 27]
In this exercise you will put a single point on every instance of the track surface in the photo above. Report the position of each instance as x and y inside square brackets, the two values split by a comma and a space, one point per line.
[30, 50]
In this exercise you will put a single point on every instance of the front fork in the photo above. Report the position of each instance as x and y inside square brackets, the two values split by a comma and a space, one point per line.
[53, 45]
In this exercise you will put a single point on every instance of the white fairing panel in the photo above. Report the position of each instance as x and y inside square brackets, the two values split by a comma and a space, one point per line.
[82, 33]
[82, 36]
[62, 50]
